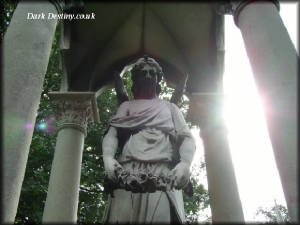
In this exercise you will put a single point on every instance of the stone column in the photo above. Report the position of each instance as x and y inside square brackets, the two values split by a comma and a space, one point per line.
[206, 111]
[73, 111]
[274, 62]
[26, 49]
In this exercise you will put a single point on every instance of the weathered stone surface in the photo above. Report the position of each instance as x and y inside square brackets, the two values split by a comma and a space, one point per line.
[206, 111]
[143, 180]
[74, 108]
[275, 64]
[73, 111]
[26, 49]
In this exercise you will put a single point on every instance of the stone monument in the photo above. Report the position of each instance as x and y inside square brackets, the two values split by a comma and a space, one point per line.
[146, 182]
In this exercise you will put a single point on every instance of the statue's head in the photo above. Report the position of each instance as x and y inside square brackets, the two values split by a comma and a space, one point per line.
[146, 74]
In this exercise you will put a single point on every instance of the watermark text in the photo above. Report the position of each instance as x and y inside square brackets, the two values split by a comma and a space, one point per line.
[61, 16]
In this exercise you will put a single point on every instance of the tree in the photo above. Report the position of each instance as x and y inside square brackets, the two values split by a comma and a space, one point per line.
[275, 214]
[8, 9]
[194, 205]
[92, 199]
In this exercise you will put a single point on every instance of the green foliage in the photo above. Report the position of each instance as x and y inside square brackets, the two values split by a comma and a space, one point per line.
[6, 15]
[275, 214]
[200, 199]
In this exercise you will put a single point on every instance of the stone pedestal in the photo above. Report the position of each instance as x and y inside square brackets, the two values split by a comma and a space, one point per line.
[274, 62]
[26, 49]
[73, 111]
[205, 111]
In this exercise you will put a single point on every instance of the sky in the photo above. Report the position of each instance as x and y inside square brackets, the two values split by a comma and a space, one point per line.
[253, 160]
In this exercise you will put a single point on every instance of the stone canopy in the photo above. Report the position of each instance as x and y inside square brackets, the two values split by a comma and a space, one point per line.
[185, 38]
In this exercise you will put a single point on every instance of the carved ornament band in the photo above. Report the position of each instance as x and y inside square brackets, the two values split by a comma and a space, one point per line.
[74, 109]
[59, 5]
[75, 126]
[237, 7]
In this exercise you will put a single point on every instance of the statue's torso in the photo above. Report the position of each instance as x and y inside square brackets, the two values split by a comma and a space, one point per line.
[153, 119]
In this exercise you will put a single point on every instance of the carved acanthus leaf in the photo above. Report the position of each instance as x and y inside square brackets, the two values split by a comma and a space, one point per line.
[73, 111]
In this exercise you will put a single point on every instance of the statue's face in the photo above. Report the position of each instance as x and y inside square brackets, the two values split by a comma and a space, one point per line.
[145, 81]
[145, 76]
[147, 73]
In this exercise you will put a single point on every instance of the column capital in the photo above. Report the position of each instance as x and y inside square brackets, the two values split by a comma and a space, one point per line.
[74, 109]
[235, 7]
[67, 6]
[205, 110]
[59, 5]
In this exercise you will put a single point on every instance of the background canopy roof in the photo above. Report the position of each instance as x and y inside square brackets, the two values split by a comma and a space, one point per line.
[185, 38]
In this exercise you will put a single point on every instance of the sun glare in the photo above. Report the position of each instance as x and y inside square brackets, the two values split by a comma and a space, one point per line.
[252, 155]
[255, 169]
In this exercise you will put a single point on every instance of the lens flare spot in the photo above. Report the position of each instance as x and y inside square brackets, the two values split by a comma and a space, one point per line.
[28, 126]
[42, 126]
[46, 125]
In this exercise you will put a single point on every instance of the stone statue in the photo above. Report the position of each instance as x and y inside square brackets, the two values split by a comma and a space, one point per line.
[146, 182]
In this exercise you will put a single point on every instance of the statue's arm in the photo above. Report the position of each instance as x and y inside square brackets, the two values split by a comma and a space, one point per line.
[109, 148]
[182, 169]
[186, 150]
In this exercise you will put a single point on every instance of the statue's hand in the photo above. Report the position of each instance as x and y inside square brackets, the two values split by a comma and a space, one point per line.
[110, 166]
[181, 172]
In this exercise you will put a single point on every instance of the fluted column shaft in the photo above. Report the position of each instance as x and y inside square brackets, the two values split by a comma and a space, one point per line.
[205, 110]
[274, 62]
[26, 49]
[73, 111]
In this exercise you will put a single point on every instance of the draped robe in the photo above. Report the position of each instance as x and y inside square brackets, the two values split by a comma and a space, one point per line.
[149, 147]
